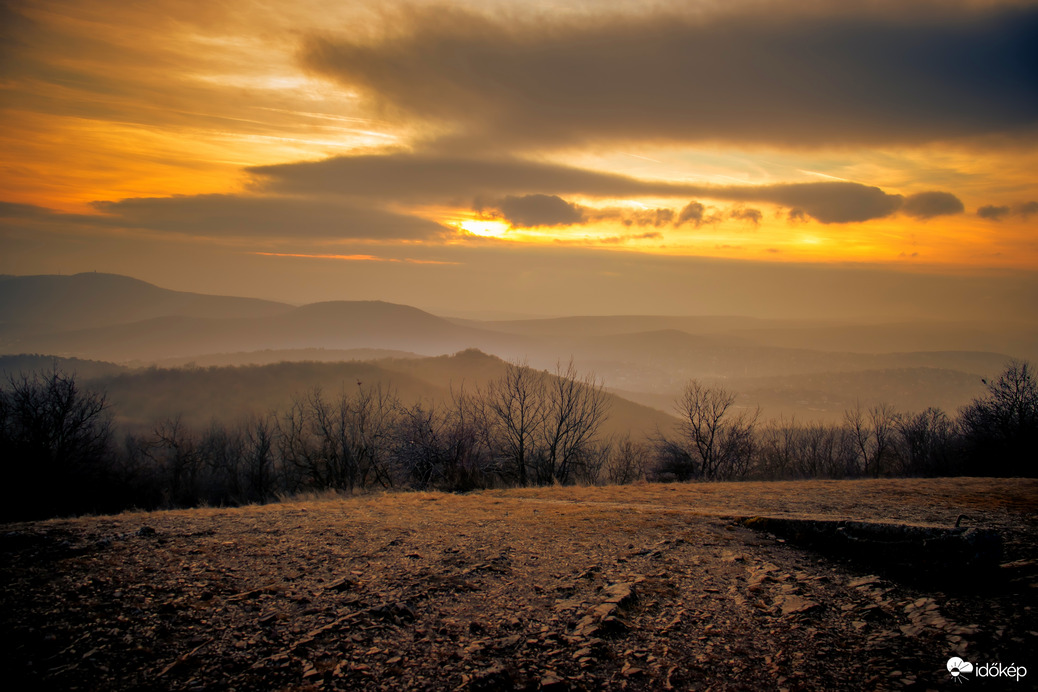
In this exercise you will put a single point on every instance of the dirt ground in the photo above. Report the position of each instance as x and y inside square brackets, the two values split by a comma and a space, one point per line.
[645, 587]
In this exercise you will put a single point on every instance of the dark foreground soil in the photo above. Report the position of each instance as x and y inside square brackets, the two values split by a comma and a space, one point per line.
[650, 587]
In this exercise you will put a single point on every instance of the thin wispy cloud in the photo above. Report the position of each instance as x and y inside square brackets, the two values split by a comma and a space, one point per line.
[353, 258]
[250, 216]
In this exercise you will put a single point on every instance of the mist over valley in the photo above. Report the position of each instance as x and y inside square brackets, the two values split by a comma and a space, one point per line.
[811, 370]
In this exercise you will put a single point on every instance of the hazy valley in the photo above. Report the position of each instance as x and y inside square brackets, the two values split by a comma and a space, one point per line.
[790, 368]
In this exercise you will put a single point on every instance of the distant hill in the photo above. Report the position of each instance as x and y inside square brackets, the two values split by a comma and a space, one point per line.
[141, 398]
[609, 325]
[29, 363]
[46, 304]
[331, 325]
[662, 361]
[469, 367]
[1019, 339]
[812, 368]
[270, 356]
[472, 368]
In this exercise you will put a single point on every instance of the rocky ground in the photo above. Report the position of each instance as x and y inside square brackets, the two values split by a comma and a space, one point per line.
[649, 587]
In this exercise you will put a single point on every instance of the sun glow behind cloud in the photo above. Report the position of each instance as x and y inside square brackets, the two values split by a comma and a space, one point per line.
[484, 228]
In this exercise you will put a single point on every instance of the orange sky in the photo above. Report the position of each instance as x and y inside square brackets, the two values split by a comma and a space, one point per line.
[819, 135]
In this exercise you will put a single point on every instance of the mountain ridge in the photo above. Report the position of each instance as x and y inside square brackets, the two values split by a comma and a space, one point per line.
[93, 299]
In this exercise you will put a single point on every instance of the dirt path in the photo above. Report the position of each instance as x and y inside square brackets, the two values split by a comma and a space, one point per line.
[645, 587]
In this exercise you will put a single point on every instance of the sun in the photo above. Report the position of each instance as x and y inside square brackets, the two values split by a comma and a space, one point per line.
[484, 228]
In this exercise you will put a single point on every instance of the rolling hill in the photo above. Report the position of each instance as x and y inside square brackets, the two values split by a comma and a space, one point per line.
[142, 397]
[331, 325]
[48, 304]
[806, 368]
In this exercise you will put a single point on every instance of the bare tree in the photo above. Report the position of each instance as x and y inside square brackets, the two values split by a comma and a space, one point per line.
[807, 451]
[259, 456]
[341, 444]
[176, 457]
[873, 434]
[779, 453]
[54, 442]
[828, 451]
[374, 412]
[1000, 429]
[420, 451]
[221, 453]
[514, 408]
[627, 461]
[924, 443]
[718, 441]
[237, 461]
[468, 461]
[675, 460]
[574, 410]
[541, 425]
[443, 446]
[300, 447]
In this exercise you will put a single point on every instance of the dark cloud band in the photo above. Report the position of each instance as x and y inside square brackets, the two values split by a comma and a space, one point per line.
[417, 178]
[539, 210]
[823, 74]
[432, 178]
[240, 216]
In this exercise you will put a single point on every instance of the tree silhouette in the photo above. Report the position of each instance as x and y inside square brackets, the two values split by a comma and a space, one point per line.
[1000, 429]
[717, 442]
[54, 443]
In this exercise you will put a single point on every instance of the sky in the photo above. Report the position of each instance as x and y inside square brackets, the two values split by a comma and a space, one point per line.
[860, 160]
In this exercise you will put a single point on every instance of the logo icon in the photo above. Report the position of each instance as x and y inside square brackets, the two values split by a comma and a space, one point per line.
[957, 667]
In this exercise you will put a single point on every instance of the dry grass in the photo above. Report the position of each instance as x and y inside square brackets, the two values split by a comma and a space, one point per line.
[425, 590]
[894, 498]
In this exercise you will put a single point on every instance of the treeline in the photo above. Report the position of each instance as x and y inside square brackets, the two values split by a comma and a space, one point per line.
[995, 435]
[61, 454]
